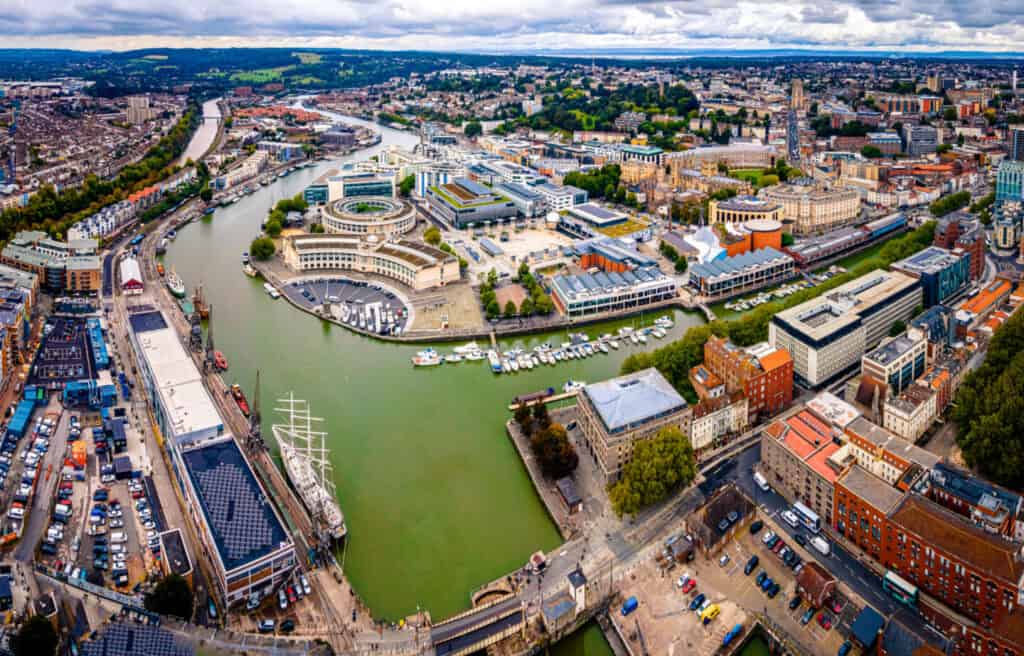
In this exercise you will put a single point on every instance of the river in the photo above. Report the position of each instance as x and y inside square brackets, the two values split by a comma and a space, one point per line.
[205, 134]
[436, 499]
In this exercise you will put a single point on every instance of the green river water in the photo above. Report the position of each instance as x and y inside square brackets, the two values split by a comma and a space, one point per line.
[435, 496]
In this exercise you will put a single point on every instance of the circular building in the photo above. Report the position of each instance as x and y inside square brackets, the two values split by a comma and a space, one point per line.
[764, 233]
[371, 215]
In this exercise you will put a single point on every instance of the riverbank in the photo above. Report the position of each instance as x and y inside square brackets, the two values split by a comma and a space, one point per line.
[423, 336]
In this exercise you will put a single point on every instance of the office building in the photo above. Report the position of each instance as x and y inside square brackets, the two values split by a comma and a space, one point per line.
[1016, 149]
[596, 216]
[336, 184]
[417, 265]
[966, 235]
[559, 198]
[943, 274]
[809, 209]
[1010, 181]
[464, 203]
[827, 336]
[911, 413]
[730, 276]
[741, 209]
[920, 139]
[897, 362]
[615, 414]
[762, 374]
[527, 200]
[381, 216]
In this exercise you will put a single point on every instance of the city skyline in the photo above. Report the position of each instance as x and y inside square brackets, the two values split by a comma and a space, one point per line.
[579, 27]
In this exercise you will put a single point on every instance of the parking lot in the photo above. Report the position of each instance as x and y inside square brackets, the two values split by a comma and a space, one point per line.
[64, 354]
[364, 305]
[824, 628]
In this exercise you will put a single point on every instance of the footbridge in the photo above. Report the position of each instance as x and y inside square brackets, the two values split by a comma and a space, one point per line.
[479, 628]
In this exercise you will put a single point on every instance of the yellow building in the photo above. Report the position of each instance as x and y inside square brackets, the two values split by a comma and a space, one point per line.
[811, 209]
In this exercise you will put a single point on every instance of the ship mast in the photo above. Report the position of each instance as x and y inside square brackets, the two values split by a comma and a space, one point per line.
[208, 363]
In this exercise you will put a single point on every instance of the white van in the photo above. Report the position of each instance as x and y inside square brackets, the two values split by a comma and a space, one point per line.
[790, 518]
[761, 481]
[118, 537]
[822, 546]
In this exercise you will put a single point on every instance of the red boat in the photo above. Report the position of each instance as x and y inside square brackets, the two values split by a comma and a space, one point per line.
[239, 395]
[220, 361]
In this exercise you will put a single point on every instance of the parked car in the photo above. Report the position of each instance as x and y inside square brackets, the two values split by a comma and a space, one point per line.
[761, 578]
[690, 585]
[697, 601]
[768, 537]
[288, 626]
[751, 564]
[774, 590]
[723, 561]
[756, 526]
[795, 602]
[807, 616]
[267, 626]
[825, 621]
[844, 649]
[800, 539]
[282, 599]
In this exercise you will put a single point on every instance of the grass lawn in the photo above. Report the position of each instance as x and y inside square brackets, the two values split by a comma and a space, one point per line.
[260, 75]
[752, 175]
[623, 229]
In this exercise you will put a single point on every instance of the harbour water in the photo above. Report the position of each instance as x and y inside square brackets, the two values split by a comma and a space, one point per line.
[434, 495]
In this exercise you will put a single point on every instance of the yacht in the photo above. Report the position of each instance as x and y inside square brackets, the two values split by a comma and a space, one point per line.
[494, 361]
[474, 355]
[427, 358]
[572, 386]
[614, 343]
[603, 347]
[466, 348]
[453, 358]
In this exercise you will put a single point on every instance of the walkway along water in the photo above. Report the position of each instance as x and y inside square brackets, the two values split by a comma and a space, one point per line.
[434, 494]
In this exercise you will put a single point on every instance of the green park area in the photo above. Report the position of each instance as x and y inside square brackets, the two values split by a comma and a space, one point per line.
[260, 75]
[588, 121]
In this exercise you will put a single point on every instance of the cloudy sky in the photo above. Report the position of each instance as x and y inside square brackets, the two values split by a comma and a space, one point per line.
[517, 25]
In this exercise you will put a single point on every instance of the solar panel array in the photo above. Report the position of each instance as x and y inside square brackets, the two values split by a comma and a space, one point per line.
[143, 322]
[123, 639]
[240, 517]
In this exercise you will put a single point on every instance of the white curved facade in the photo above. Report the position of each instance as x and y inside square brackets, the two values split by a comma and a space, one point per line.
[379, 216]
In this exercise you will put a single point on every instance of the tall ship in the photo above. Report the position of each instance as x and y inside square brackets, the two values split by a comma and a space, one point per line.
[199, 302]
[304, 455]
[175, 284]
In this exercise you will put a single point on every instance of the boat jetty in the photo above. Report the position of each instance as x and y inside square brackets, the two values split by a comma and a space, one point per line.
[578, 347]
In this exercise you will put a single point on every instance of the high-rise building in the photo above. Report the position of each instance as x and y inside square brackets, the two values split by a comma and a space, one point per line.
[1016, 139]
[138, 109]
[920, 139]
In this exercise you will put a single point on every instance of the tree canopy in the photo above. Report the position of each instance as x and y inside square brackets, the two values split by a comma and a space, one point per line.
[171, 596]
[36, 637]
[659, 466]
[262, 248]
[989, 408]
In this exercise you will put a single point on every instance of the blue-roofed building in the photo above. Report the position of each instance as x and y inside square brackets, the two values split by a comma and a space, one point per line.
[588, 294]
[936, 323]
[943, 273]
[242, 533]
[134, 639]
[866, 627]
[739, 274]
[615, 414]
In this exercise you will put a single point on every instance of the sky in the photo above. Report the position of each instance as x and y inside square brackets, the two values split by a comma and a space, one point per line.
[517, 25]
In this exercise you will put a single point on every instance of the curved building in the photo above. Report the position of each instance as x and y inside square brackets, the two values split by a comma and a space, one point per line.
[416, 265]
[742, 209]
[374, 215]
[809, 209]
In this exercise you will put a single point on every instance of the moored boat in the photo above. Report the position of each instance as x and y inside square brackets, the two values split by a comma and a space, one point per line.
[239, 396]
[220, 361]
[175, 284]
[427, 358]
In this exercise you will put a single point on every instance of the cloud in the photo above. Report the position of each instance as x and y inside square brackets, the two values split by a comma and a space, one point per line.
[516, 25]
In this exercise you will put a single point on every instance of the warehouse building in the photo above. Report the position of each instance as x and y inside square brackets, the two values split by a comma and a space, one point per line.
[740, 274]
[827, 336]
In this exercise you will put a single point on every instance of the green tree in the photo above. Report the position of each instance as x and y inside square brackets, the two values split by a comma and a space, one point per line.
[524, 418]
[659, 466]
[273, 228]
[317, 228]
[492, 277]
[171, 596]
[432, 235]
[262, 248]
[473, 129]
[492, 310]
[36, 637]
[897, 328]
[405, 187]
[526, 307]
[871, 152]
[681, 265]
[949, 114]
[206, 194]
[788, 239]
[554, 451]
[510, 309]
[541, 418]
[768, 180]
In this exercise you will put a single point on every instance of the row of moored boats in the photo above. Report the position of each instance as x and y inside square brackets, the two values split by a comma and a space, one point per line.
[579, 347]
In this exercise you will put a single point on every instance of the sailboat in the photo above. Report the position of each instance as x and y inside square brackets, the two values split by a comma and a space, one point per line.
[304, 455]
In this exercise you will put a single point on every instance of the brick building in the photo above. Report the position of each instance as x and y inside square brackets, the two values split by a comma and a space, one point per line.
[763, 374]
[966, 235]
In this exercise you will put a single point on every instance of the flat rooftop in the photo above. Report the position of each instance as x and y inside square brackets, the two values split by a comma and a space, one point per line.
[841, 308]
[931, 260]
[632, 400]
[597, 215]
[892, 350]
[882, 496]
[240, 517]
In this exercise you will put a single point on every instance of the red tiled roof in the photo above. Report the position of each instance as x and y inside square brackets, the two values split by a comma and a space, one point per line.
[818, 463]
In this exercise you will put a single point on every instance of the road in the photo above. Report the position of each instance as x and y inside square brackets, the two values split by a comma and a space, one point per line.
[842, 564]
